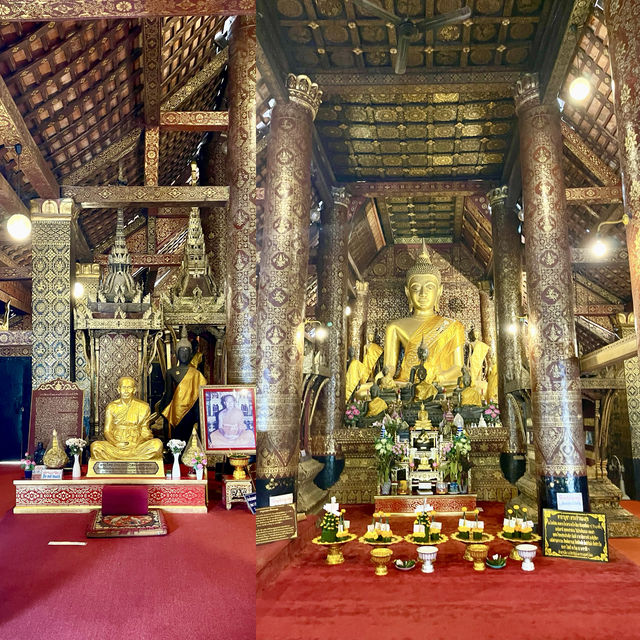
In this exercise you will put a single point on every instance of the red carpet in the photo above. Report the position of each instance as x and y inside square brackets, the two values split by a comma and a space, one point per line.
[560, 600]
[198, 582]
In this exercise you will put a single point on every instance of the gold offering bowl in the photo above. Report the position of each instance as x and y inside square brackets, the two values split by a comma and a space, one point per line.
[479, 554]
[239, 463]
[486, 537]
[514, 555]
[334, 552]
[380, 558]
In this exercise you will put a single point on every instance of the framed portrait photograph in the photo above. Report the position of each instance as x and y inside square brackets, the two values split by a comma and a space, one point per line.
[228, 418]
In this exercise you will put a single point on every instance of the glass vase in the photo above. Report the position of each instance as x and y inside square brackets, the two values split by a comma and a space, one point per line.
[199, 473]
[76, 473]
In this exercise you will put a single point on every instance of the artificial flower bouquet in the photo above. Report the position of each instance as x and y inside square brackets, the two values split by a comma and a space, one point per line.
[353, 413]
[491, 414]
[198, 460]
[27, 463]
[176, 446]
[76, 445]
[425, 529]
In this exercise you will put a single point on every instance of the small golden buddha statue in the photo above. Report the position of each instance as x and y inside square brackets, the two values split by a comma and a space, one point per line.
[126, 429]
[55, 457]
[442, 337]
[491, 394]
[371, 355]
[376, 405]
[469, 394]
[356, 373]
[423, 421]
[475, 355]
[386, 380]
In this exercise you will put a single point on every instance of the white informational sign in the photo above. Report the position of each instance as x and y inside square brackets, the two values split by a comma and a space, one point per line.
[38, 469]
[52, 474]
[275, 501]
[570, 501]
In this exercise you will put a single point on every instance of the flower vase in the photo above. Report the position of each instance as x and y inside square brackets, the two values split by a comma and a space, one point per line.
[453, 487]
[76, 473]
[28, 473]
[175, 471]
[385, 488]
[199, 473]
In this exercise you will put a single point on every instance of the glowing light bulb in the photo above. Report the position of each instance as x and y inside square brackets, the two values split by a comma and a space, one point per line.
[512, 328]
[321, 333]
[599, 248]
[580, 88]
[347, 310]
[78, 290]
[19, 226]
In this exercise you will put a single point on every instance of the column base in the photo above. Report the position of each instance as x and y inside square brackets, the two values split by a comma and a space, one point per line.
[310, 497]
[330, 474]
[550, 486]
[513, 465]
[265, 490]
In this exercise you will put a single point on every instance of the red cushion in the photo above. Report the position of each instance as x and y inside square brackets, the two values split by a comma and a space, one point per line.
[125, 500]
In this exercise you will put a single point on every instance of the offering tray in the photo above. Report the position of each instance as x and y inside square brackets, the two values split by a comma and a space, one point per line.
[334, 552]
[486, 537]
[409, 538]
[514, 555]
[394, 540]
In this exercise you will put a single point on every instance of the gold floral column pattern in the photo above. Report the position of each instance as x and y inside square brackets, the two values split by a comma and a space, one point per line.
[621, 17]
[488, 318]
[51, 293]
[332, 299]
[555, 373]
[281, 294]
[241, 224]
[358, 318]
[507, 273]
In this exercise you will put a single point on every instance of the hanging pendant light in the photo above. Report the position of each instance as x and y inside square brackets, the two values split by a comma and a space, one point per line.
[19, 225]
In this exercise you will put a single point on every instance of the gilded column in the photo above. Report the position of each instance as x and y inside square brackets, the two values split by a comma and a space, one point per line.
[281, 295]
[241, 224]
[214, 219]
[332, 299]
[621, 17]
[507, 273]
[488, 318]
[358, 318]
[52, 258]
[555, 372]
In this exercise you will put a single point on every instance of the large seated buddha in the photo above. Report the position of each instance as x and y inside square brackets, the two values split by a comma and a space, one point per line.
[127, 435]
[444, 338]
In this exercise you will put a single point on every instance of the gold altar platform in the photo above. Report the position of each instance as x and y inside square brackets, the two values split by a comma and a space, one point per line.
[443, 505]
[82, 495]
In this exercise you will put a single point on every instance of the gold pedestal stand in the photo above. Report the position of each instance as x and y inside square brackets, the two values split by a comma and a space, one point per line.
[514, 555]
[334, 552]
[478, 553]
[380, 558]
[486, 537]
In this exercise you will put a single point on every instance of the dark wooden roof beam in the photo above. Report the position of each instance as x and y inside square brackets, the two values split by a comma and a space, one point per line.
[32, 163]
[594, 195]
[151, 53]
[109, 197]
[194, 120]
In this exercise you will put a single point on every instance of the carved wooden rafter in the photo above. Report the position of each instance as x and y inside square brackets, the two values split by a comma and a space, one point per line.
[110, 197]
[101, 9]
[152, 55]
[412, 187]
[594, 195]
[588, 157]
[15, 273]
[194, 120]
[155, 260]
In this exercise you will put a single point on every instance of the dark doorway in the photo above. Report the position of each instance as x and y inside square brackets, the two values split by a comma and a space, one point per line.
[15, 406]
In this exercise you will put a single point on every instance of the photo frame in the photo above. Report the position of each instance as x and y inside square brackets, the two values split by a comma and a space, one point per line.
[228, 418]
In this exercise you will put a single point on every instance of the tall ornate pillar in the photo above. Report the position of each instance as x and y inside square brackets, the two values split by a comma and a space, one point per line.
[241, 225]
[555, 372]
[332, 299]
[214, 219]
[358, 318]
[488, 318]
[626, 326]
[52, 258]
[621, 17]
[507, 272]
[281, 296]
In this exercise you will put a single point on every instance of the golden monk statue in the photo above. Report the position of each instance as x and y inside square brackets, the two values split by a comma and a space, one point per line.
[356, 373]
[376, 405]
[127, 435]
[372, 352]
[443, 337]
[491, 394]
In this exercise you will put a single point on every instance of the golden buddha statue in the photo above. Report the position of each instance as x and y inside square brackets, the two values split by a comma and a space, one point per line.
[475, 355]
[372, 352]
[442, 337]
[469, 396]
[376, 405]
[126, 429]
[491, 394]
[423, 421]
[385, 381]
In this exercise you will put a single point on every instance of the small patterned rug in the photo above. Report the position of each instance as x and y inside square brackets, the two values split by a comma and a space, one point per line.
[151, 524]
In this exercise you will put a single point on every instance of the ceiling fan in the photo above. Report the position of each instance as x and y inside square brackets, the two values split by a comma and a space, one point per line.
[407, 28]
